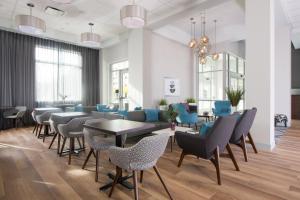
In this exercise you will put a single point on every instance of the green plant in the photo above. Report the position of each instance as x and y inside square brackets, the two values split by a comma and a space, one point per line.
[191, 100]
[234, 96]
[163, 102]
[171, 114]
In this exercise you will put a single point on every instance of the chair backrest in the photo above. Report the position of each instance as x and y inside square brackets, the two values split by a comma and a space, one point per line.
[33, 113]
[90, 133]
[148, 150]
[21, 111]
[180, 108]
[74, 125]
[220, 134]
[222, 107]
[243, 125]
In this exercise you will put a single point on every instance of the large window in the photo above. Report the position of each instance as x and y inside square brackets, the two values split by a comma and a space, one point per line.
[119, 83]
[58, 75]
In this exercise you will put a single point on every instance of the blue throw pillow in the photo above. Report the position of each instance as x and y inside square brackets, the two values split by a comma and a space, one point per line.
[151, 115]
[205, 128]
[78, 109]
[100, 107]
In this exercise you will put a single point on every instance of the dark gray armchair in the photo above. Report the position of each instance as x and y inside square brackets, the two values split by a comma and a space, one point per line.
[211, 145]
[242, 131]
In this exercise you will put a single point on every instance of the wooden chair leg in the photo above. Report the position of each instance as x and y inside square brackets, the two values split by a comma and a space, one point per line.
[171, 143]
[34, 129]
[83, 143]
[37, 129]
[97, 165]
[135, 185]
[58, 143]
[119, 171]
[53, 139]
[141, 176]
[181, 158]
[232, 157]
[41, 127]
[80, 146]
[161, 180]
[216, 162]
[71, 149]
[252, 143]
[63, 146]
[243, 145]
[87, 158]
[45, 131]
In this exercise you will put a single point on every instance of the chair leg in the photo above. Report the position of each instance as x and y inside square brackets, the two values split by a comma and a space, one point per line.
[80, 146]
[161, 180]
[87, 158]
[71, 149]
[141, 176]
[45, 131]
[83, 143]
[181, 158]
[119, 171]
[232, 157]
[97, 165]
[171, 143]
[53, 139]
[135, 185]
[243, 145]
[216, 162]
[58, 143]
[63, 146]
[41, 127]
[252, 143]
[34, 129]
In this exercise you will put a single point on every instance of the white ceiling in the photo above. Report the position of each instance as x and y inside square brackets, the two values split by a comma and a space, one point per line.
[292, 12]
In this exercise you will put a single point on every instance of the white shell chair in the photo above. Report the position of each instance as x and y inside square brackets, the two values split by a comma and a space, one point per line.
[142, 156]
[98, 141]
[43, 122]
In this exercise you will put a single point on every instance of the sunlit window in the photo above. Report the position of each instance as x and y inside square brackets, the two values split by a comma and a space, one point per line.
[58, 75]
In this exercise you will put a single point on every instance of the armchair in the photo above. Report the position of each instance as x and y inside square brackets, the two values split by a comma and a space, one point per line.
[222, 108]
[210, 145]
[184, 117]
[242, 131]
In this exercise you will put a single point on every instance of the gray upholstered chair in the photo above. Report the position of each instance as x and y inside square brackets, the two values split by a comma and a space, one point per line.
[35, 129]
[72, 130]
[242, 131]
[98, 141]
[211, 145]
[139, 157]
[18, 116]
[43, 122]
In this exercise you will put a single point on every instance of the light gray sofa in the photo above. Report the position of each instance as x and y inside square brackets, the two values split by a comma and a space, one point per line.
[106, 115]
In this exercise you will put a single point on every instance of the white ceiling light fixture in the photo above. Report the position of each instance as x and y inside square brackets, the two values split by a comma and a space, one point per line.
[90, 38]
[63, 1]
[133, 16]
[30, 24]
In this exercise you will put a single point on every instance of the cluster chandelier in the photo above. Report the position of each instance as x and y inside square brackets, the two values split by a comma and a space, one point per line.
[30, 24]
[90, 38]
[133, 16]
[203, 46]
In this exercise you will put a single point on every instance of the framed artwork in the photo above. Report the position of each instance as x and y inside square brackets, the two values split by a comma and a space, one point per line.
[172, 87]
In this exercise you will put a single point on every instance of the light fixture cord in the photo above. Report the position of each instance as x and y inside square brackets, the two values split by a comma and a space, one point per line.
[215, 35]
[194, 25]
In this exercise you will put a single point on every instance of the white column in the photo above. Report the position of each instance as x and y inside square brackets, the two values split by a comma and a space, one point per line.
[260, 68]
[283, 71]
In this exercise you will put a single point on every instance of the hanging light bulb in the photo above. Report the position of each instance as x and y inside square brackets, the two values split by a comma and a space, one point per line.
[215, 56]
[203, 60]
[193, 41]
[203, 50]
[204, 40]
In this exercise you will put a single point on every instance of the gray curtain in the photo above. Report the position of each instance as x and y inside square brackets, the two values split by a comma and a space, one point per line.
[17, 69]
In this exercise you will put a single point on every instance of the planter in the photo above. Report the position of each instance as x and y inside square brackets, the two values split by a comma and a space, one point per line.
[173, 126]
[234, 109]
[163, 107]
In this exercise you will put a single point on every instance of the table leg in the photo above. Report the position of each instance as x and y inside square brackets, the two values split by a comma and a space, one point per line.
[123, 179]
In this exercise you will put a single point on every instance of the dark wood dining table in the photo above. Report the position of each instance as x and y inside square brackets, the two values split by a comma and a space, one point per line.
[118, 128]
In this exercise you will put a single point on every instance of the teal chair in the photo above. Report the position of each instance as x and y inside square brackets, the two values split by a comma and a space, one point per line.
[101, 107]
[184, 117]
[222, 108]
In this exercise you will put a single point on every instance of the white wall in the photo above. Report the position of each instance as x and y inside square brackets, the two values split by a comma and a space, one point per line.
[110, 55]
[237, 48]
[166, 58]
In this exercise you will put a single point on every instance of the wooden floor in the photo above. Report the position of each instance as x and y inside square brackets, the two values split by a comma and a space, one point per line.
[29, 170]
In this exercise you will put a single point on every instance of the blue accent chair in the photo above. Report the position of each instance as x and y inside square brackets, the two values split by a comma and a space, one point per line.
[184, 117]
[222, 108]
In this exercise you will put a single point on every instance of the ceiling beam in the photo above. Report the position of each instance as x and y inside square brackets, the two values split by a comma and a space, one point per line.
[185, 13]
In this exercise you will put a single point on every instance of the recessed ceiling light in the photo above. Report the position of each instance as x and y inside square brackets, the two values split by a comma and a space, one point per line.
[54, 11]
[62, 1]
